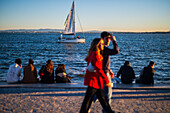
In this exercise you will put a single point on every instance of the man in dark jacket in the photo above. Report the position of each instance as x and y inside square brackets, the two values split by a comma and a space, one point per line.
[107, 52]
[146, 76]
[127, 73]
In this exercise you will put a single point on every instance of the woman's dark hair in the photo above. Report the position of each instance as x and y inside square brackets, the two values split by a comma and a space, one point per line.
[49, 61]
[18, 61]
[104, 34]
[151, 63]
[49, 66]
[60, 68]
[31, 61]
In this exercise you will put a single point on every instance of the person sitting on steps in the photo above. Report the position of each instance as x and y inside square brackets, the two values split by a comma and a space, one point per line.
[127, 73]
[146, 75]
[61, 75]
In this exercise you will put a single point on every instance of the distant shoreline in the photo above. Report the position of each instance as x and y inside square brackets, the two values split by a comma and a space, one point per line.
[16, 31]
[61, 30]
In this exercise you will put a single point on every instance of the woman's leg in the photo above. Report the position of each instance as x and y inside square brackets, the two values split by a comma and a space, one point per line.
[102, 99]
[88, 99]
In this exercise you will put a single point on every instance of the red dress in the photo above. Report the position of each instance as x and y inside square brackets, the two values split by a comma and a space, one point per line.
[95, 79]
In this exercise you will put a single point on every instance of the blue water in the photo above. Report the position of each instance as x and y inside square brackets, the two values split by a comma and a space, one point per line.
[139, 49]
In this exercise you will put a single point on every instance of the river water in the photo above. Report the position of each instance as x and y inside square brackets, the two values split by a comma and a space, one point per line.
[139, 49]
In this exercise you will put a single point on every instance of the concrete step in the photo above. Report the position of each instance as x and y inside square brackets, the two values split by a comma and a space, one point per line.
[81, 86]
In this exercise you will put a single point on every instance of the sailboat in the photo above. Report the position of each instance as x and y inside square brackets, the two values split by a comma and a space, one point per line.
[69, 34]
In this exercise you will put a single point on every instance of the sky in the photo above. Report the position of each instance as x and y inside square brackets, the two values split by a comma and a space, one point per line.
[103, 15]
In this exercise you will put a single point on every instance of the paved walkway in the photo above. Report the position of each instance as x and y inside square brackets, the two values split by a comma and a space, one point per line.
[68, 97]
[45, 100]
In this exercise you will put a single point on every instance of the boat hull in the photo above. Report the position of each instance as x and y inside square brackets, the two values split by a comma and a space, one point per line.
[71, 41]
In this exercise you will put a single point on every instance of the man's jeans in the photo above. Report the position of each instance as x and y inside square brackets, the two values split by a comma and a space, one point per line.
[107, 91]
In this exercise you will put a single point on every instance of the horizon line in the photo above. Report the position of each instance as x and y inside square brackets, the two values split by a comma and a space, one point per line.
[82, 31]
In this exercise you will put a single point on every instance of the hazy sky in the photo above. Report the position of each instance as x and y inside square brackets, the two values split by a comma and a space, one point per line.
[110, 15]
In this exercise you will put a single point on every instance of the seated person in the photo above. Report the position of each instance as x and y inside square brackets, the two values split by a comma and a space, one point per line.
[30, 73]
[47, 72]
[127, 73]
[146, 75]
[78, 37]
[14, 72]
[61, 76]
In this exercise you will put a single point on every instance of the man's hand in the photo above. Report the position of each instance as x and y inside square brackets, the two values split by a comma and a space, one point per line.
[111, 74]
[113, 38]
[109, 84]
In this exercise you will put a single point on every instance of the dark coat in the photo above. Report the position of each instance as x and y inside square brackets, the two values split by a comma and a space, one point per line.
[147, 76]
[46, 77]
[127, 74]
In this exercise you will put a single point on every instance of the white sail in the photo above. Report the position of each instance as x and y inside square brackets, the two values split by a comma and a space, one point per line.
[69, 36]
[70, 22]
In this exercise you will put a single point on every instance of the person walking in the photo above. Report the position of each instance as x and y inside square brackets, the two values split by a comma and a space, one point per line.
[94, 79]
[107, 52]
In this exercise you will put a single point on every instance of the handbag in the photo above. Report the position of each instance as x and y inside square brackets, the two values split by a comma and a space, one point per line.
[42, 73]
[90, 68]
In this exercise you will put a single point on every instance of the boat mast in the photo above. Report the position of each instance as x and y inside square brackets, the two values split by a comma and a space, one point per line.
[80, 23]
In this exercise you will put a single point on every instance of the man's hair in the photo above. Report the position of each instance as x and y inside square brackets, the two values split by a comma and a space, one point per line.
[127, 63]
[18, 61]
[31, 61]
[151, 63]
[104, 34]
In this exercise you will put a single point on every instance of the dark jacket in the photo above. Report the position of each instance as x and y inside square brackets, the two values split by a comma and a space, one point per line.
[46, 76]
[127, 74]
[106, 56]
[147, 76]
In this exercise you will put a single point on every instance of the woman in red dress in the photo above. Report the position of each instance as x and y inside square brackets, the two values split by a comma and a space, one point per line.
[94, 80]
